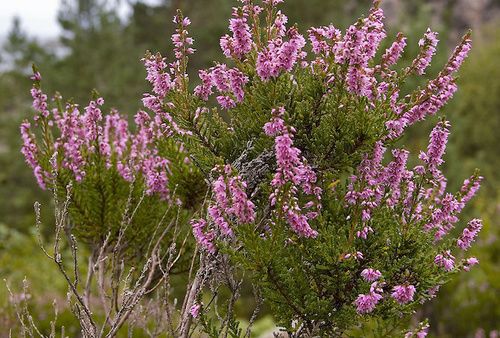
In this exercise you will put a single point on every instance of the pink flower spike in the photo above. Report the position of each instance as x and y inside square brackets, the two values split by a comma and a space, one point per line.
[371, 275]
[469, 234]
[394, 52]
[291, 168]
[403, 293]
[203, 237]
[365, 303]
[427, 50]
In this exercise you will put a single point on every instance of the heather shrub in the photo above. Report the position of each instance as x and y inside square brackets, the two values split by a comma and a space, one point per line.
[283, 165]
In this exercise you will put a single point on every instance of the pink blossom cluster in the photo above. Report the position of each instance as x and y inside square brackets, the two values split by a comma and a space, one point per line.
[469, 234]
[445, 260]
[181, 40]
[240, 43]
[470, 188]
[158, 74]
[323, 39]
[366, 303]
[469, 262]
[229, 205]
[280, 54]
[39, 102]
[203, 234]
[292, 173]
[83, 136]
[394, 52]
[447, 206]
[437, 146]
[373, 180]
[115, 137]
[432, 98]
[72, 141]
[230, 201]
[166, 78]
[403, 293]
[459, 55]
[370, 275]
[229, 82]
[30, 152]
[428, 48]
[356, 48]
[194, 310]
[394, 185]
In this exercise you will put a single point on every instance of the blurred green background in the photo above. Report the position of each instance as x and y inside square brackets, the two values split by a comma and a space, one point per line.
[100, 47]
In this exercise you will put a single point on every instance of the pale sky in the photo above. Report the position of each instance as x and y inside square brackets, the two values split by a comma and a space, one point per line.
[38, 17]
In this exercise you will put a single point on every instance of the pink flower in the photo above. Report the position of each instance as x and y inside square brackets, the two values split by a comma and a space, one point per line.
[360, 81]
[30, 152]
[371, 275]
[155, 170]
[195, 310]
[280, 55]
[459, 55]
[366, 230]
[216, 214]
[203, 236]
[403, 293]
[469, 262]
[180, 38]
[229, 82]
[469, 188]
[432, 292]
[241, 42]
[437, 93]
[242, 207]
[39, 103]
[365, 303]
[230, 200]
[427, 49]
[323, 38]
[291, 169]
[226, 102]
[469, 234]
[395, 173]
[91, 121]
[73, 140]
[158, 75]
[437, 146]
[394, 52]
[445, 260]
[115, 136]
